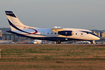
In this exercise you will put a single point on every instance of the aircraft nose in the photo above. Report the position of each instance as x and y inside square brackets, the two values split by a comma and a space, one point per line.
[97, 38]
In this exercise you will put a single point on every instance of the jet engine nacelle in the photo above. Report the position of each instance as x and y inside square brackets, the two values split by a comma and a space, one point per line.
[65, 33]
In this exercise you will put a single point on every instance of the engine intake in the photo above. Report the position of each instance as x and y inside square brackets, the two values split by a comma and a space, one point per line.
[65, 33]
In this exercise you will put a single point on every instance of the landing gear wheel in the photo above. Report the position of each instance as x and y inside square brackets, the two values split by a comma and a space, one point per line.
[93, 42]
[58, 42]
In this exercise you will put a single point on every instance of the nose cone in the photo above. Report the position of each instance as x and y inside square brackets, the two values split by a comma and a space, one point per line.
[97, 38]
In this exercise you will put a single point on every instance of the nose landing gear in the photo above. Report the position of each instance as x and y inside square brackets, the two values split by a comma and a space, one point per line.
[93, 42]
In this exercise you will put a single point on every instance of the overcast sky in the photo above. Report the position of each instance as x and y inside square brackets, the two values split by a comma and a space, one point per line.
[87, 14]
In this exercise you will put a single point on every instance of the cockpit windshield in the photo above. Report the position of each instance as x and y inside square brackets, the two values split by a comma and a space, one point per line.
[90, 33]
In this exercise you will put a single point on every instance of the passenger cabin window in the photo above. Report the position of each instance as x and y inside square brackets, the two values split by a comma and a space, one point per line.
[81, 33]
[76, 34]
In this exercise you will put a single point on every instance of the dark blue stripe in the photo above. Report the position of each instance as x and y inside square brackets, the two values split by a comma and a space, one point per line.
[10, 13]
[90, 33]
[65, 33]
[17, 28]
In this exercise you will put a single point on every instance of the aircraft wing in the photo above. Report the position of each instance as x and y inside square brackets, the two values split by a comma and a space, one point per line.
[57, 29]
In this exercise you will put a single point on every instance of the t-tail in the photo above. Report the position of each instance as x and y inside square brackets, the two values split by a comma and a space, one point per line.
[14, 22]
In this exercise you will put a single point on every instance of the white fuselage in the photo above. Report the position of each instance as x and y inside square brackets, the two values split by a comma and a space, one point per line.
[47, 33]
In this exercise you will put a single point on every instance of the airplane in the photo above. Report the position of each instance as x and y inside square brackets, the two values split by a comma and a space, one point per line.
[56, 34]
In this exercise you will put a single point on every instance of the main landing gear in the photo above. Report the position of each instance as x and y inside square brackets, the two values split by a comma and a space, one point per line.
[58, 42]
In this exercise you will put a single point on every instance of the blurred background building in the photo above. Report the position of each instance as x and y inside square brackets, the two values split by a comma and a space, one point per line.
[9, 36]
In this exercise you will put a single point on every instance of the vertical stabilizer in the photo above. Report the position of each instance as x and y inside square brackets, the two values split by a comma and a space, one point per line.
[14, 22]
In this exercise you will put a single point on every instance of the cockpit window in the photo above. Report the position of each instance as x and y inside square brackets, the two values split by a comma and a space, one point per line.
[90, 33]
